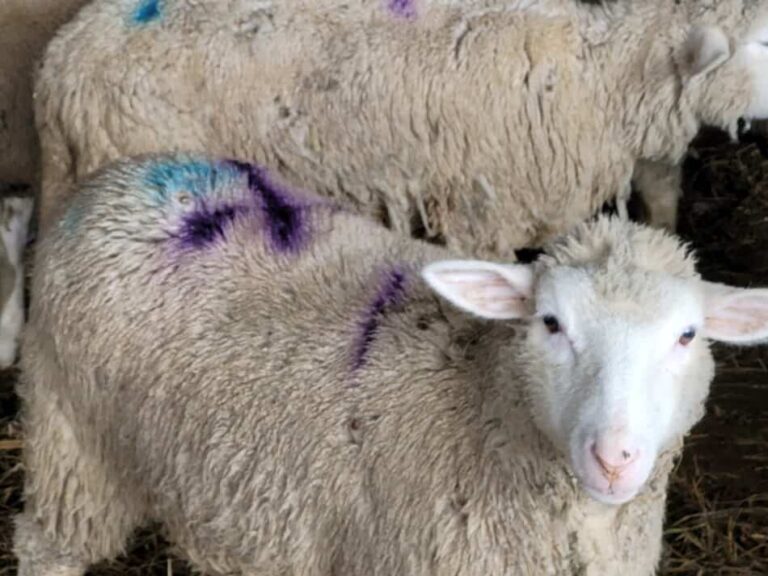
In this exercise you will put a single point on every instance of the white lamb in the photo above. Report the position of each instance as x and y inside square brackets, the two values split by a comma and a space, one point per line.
[271, 379]
[488, 125]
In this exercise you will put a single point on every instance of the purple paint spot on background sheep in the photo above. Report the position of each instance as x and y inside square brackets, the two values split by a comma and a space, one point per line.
[390, 293]
[206, 225]
[285, 217]
[402, 8]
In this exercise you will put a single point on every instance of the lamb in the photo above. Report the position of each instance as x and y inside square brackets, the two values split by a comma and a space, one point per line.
[26, 26]
[484, 125]
[290, 388]
[15, 212]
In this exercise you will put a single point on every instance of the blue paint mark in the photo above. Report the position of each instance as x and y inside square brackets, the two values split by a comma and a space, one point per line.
[147, 11]
[285, 217]
[390, 293]
[197, 178]
[206, 225]
[73, 216]
[402, 8]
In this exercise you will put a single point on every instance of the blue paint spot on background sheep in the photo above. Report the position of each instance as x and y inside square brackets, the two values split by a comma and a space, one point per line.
[402, 8]
[147, 11]
[206, 225]
[197, 178]
[390, 293]
[285, 217]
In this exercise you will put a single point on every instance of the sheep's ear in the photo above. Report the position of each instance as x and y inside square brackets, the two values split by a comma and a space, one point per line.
[735, 315]
[705, 49]
[488, 290]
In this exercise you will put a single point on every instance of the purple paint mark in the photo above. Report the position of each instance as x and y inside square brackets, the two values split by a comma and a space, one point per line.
[390, 293]
[284, 216]
[206, 225]
[402, 8]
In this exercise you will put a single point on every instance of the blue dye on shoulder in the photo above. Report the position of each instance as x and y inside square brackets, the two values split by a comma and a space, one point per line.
[147, 11]
[197, 178]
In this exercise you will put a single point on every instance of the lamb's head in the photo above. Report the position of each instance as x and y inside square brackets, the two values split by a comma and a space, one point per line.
[724, 60]
[616, 357]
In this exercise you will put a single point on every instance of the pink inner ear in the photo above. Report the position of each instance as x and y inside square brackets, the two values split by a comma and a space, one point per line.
[742, 316]
[494, 295]
[472, 278]
[483, 292]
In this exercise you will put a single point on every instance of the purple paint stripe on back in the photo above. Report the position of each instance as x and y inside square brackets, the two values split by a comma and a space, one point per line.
[390, 293]
[206, 225]
[284, 217]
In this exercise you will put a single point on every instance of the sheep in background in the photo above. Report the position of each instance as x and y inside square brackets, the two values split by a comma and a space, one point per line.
[270, 378]
[15, 213]
[26, 26]
[487, 126]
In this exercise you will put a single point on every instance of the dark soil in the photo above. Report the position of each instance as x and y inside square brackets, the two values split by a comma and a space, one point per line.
[717, 521]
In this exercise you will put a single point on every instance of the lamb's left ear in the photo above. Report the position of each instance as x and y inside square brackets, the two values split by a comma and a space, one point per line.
[735, 315]
[705, 49]
[488, 290]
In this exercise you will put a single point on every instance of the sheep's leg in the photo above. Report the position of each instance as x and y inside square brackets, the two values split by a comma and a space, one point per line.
[75, 514]
[622, 208]
[14, 221]
[621, 202]
[660, 187]
[39, 555]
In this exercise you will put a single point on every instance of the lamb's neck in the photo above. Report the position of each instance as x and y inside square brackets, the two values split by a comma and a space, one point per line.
[605, 536]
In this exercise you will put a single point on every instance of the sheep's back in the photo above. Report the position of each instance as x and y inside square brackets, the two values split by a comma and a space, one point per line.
[436, 123]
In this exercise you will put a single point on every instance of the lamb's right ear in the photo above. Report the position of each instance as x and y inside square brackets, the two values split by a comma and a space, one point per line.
[736, 315]
[488, 290]
[705, 49]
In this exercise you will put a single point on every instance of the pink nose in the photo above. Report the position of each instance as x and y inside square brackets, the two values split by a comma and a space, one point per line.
[614, 454]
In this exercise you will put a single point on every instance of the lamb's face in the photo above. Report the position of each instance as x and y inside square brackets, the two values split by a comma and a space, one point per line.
[617, 372]
[616, 358]
[725, 59]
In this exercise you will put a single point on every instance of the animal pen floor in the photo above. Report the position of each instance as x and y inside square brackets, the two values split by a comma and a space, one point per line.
[717, 521]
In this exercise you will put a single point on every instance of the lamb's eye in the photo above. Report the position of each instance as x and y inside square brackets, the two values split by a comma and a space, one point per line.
[552, 324]
[687, 337]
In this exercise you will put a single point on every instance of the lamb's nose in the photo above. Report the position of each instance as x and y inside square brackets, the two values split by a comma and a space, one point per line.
[614, 453]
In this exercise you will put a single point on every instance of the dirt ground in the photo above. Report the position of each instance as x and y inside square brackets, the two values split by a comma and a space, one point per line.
[717, 521]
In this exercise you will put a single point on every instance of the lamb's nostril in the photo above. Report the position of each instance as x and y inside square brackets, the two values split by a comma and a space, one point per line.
[611, 459]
